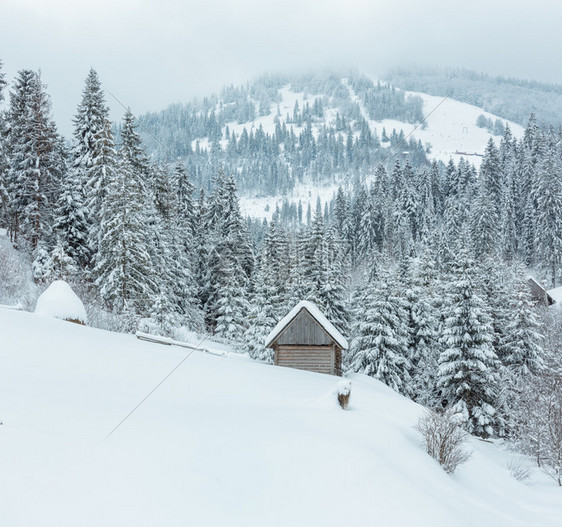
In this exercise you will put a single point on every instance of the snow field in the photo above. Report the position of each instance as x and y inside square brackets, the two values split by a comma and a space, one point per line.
[224, 441]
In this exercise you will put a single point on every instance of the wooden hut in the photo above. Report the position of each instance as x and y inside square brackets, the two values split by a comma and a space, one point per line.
[305, 339]
[538, 293]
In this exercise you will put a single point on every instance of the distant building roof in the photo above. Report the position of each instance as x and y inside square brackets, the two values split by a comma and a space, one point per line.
[556, 294]
[539, 293]
[316, 314]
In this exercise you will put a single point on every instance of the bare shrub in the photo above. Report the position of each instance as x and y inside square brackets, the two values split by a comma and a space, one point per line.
[518, 470]
[444, 439]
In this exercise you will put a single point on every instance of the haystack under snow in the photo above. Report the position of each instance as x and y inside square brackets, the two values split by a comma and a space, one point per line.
[60, 301]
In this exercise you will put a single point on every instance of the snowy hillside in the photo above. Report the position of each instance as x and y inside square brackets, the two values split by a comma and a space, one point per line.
[450, 132]
[224, 441]
[451, 129]
[290, 139]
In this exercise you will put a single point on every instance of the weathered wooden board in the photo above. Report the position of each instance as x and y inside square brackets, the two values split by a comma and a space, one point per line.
[304, 330]
[319, 359]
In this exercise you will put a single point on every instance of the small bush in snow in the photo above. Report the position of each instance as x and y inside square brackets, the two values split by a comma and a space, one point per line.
[518, 470]
[444, 439]
[343, 392]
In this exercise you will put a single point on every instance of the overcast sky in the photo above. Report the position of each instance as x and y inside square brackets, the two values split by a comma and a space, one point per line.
[150, 53]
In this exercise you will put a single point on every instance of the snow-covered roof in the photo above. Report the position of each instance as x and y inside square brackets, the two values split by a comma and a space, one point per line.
[548, 298]
[60, 301]
[316, 314]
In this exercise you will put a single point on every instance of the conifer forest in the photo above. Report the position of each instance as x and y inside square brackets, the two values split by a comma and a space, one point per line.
[423, 265]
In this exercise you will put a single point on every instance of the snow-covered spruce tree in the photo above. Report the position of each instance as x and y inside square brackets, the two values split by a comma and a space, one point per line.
[84, 190]
[183, 248]
[229, 261]
[185, 204]
[297, 288]
[172, 254]
[484, 223]
[60, 265]
[333, 292]
[549, 216]
[101, 172]
[34, 161]
[380, 348]
[277, 263]
[520, 347]
[132, 150]
[231, 304]
[123, 267]
[495, 279]
[491, 176]
[425, 333]
[70, 223]
[3, 161]
[527, 205]
[508, 219]
[262, 317]
[467, 366]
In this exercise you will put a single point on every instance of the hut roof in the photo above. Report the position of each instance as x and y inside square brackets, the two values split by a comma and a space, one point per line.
[555, 294]
[316, 314]
[548, 298]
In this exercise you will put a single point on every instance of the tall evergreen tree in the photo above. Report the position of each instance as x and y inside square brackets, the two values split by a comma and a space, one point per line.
[380, 348]
[34, 161]
[3, 161]
[79, 210]
[467, 365]
[262, 315]
[520, 347]
[123, 268]
[549, 216]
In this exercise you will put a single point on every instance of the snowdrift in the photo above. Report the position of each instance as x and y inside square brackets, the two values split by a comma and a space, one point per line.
[224, 441]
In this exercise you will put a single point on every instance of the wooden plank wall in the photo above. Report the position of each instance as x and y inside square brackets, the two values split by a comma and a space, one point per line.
[320, 359]
[304, 330]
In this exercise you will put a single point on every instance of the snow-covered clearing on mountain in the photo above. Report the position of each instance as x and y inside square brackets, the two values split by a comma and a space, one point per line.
[224, 441]
[450, 129]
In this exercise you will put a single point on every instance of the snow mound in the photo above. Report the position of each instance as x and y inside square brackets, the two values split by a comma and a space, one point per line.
[60, 301]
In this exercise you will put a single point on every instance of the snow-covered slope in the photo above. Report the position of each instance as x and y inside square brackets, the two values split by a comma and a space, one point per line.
[224, 441]
[451, 129]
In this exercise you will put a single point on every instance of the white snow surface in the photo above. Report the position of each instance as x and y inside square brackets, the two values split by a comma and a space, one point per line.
[60, 301]
[223, 441]
[318, 316]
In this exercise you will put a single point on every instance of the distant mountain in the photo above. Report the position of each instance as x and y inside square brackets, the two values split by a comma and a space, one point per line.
[301, 137]
[281, 131]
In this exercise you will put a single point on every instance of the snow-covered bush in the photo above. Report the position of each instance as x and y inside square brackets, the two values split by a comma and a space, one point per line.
[444, 439]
